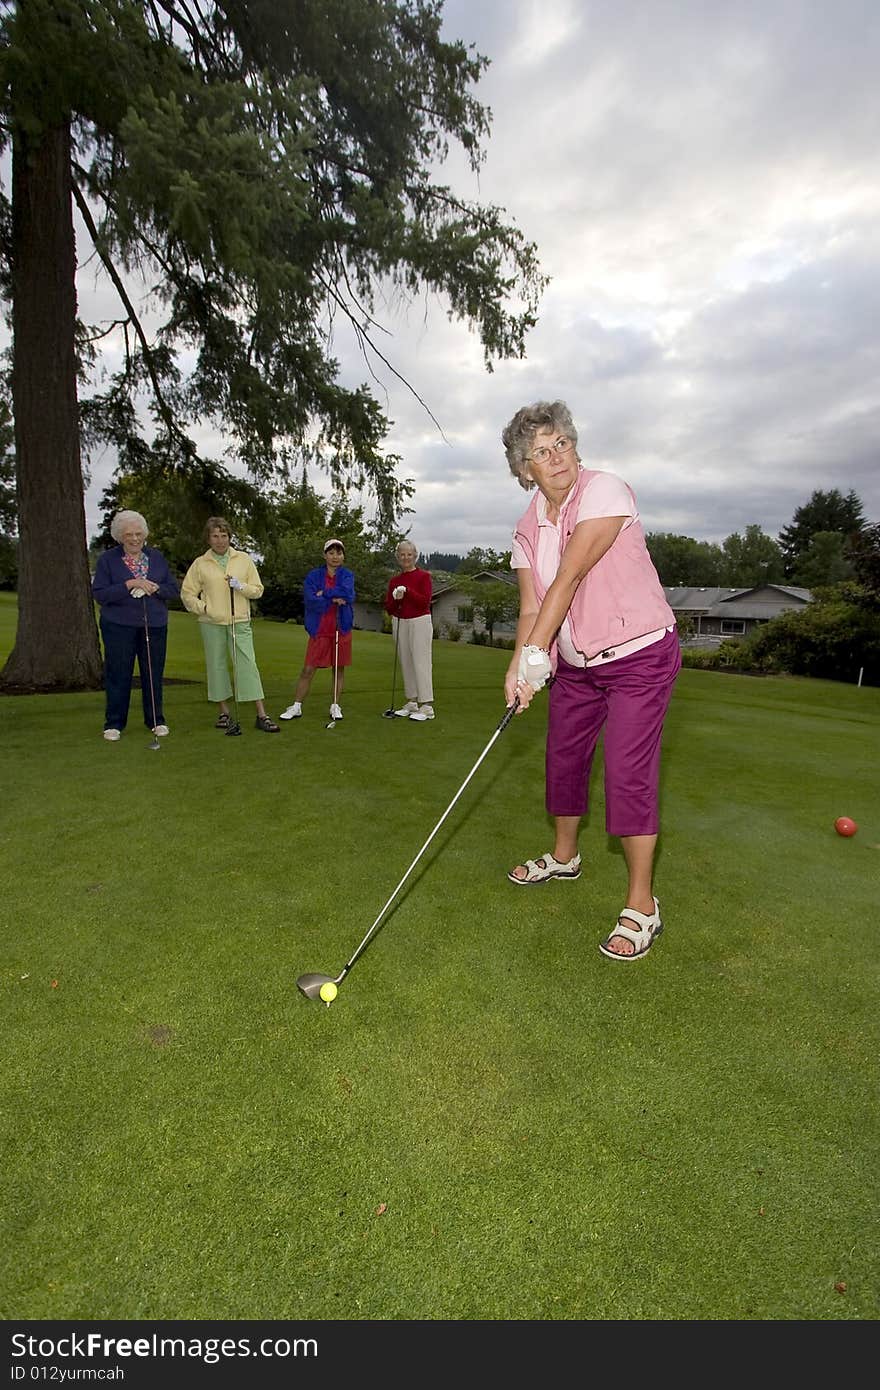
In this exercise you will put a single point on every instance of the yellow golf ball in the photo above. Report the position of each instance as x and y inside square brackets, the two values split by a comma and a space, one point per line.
[328, 992]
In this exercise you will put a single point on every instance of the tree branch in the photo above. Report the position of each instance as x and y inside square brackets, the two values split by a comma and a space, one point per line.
[164, 409]
[364, 338]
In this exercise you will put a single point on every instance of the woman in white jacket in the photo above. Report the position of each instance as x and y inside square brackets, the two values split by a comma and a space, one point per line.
[214, 582]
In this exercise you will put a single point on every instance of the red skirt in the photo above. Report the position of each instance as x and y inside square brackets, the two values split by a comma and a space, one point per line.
[319, 652]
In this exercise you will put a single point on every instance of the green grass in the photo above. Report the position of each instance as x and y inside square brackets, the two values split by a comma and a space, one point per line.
[552, 1136]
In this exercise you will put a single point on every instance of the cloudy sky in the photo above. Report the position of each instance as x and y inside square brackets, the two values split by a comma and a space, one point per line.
[702, 180]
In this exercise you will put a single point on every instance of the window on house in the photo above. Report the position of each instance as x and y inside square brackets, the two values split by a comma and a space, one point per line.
[732, 627]
[465, 615]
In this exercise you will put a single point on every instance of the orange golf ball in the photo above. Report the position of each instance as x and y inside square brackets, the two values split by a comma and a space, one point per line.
[845, 826]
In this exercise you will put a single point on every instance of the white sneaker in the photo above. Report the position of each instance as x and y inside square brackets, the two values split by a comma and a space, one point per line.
[407, 710]
[112, 735]
[420, 715]
[161, 730]
[335, 712]
[293, 711]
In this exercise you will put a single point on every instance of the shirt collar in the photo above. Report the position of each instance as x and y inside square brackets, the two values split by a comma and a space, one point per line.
[542, 501]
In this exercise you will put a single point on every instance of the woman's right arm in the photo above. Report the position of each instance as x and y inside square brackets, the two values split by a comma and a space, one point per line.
[528, 612]
[104, 588]
[190, 590]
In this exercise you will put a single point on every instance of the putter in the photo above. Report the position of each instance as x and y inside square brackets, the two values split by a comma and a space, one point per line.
[389, 712]
[155, 745]
[234, 730]
[332, 724]
[310, 985]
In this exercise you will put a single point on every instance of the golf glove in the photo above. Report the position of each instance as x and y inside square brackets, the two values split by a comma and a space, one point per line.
[138, 593]
[399, 592]
[235, 583]
[534, 667]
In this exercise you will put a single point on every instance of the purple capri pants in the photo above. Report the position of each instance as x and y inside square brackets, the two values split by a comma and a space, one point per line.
[629, 698]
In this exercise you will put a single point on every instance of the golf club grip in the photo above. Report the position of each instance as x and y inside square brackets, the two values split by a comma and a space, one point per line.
[508, 715]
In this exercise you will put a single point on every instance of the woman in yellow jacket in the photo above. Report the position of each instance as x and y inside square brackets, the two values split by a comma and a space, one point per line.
[206, 591]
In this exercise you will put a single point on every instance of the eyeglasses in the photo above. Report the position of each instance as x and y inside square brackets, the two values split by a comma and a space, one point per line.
[541, 455]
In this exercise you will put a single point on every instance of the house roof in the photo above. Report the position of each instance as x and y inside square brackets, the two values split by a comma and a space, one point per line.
[697, 598]
[494, 576]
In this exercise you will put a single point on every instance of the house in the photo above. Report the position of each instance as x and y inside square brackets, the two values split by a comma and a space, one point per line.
[451, 607]
[716, 613]
[368, 616]
[719, 613]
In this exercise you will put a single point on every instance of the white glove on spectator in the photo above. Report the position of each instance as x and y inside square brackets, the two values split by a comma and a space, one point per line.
[138, 593]
[235, 583]
[399, 592]
[534, 667]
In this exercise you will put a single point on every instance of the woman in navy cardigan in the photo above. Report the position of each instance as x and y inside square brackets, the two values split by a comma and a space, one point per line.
[133, 584]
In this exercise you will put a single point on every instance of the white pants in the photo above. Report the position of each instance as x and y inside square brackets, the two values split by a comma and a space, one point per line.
[414, 637]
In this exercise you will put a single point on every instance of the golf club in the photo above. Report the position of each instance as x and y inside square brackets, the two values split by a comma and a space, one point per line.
[155, 745]
[310, 985]
[389, 712]
[332, 723]
[234, 730]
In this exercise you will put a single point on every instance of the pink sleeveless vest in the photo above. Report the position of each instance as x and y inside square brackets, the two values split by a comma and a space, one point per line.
[621, 597]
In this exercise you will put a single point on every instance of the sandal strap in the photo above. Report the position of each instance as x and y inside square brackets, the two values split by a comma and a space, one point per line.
[642, 919]
[620, 930]
[545, 864]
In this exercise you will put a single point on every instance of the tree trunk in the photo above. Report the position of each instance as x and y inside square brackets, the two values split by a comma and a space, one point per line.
[56, 645]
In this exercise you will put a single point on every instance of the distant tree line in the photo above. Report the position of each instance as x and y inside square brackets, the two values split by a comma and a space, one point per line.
[828, 548]
[817, 548]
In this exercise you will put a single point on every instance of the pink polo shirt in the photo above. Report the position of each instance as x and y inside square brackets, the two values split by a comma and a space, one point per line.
[607, 495]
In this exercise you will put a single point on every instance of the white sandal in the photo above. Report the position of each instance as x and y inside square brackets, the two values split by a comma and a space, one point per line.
[649, 925]
[540, 870]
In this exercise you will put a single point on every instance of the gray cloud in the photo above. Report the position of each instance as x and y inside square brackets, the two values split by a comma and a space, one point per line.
[702, 183]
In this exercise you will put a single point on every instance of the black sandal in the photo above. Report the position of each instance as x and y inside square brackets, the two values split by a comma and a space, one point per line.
[266, 724]
[223, 722]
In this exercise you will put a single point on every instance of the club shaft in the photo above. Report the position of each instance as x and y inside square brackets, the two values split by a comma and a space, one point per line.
[149, 663]
[501, 727]
[234, 660]
[396, 644]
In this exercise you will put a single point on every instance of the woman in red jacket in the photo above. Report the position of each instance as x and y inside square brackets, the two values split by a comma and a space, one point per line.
[408, 600]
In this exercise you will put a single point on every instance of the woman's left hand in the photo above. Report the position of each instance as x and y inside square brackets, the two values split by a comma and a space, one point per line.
[534, 667]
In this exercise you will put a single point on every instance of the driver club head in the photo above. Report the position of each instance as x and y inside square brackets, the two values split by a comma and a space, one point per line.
[310, 985]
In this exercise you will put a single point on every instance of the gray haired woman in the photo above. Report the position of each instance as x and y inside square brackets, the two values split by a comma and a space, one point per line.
[595, 623]
[132, 585]
[408, 600]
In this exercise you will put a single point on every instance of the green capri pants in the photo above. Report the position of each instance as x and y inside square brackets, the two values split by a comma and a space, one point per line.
[217, 638]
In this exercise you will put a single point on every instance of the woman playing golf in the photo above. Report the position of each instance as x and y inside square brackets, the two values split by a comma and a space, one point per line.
[219, 587]
[329, 617]
[594, 621]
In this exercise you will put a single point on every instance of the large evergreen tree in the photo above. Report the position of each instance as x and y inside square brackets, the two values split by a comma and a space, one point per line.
[825, 511]
[260, 169]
